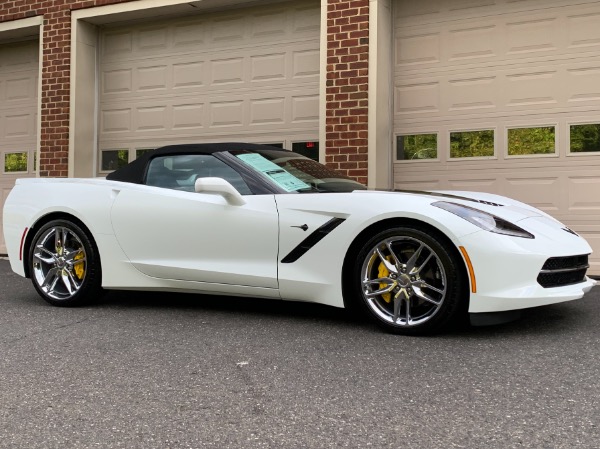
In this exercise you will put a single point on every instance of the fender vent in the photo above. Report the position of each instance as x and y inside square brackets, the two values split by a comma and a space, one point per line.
[312, 240]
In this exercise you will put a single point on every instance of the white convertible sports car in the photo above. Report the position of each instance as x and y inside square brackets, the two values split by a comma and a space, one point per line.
[251, 220]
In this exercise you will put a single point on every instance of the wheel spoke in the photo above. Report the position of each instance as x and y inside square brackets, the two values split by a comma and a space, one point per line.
[391, 268]
[418, 270]
[393, 254]
[407, 301]
[48, 260]
[413, 259]
[65, 237]
[57, 243]
[49, 277]
[72, 263]
[421, 294]
[397, 304]
[422, 284]
[70, 282]
[71, 256]
[73, 281]
[390, 286]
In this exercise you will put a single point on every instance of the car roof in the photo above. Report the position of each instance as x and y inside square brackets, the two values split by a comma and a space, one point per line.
[135, 171]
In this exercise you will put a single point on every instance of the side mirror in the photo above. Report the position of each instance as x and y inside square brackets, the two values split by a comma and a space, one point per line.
[220, 187]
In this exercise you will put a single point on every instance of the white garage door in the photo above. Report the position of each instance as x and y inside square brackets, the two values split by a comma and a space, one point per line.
[18, 106]
[249, 75]
[503, 97]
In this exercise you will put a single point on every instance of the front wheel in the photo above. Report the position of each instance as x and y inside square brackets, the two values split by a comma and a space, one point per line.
[409, 282]
[64, 264]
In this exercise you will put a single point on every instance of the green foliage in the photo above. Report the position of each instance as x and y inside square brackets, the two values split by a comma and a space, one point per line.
[15, 162]
[523, 141]
[472, 143]
[417, 146]
[585, 138]
[113, 159]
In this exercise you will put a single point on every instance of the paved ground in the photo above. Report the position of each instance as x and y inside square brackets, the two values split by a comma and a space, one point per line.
[181, 371]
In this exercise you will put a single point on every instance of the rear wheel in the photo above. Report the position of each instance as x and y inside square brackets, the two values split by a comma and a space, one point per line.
[409, 282]
[64, 264]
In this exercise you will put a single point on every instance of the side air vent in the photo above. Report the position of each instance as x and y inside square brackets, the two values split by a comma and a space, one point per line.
[312, 240]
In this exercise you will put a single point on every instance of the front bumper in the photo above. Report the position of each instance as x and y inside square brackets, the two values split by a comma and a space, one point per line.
[507, 268]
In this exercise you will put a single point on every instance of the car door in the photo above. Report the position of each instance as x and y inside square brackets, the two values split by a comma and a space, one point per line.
[175, 233]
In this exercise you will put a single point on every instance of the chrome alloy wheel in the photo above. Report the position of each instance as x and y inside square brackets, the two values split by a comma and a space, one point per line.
[403, 281]
[59, 263]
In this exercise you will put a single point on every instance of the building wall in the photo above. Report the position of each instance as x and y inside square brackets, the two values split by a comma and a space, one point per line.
[347, 87]
[347, 80]
[55, 61]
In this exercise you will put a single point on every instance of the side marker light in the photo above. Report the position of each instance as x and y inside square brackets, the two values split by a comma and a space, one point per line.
[470, 268]
[22, 241]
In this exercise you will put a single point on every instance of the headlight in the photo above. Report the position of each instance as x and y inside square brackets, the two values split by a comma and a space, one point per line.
[484, 220]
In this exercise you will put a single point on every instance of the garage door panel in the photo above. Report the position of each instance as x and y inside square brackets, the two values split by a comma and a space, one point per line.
[579, 188]
[259, 108]
[248, 74]
[502, 92]
[506, 33]
[295, 64]
[223, 31]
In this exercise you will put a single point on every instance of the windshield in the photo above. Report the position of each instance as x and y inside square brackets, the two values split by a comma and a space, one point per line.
[296, 173]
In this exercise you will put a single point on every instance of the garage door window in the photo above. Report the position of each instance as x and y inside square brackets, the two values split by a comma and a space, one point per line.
[472, 143]
[416, 146]
[113, 159]
[584, 138]
[531, 141]
[15, 162]
[141, 151]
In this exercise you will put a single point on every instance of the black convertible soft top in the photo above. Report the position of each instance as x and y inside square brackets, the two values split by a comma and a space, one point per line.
[135, 171]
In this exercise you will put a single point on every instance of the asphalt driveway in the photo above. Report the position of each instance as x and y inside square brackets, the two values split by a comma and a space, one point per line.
[143, 370]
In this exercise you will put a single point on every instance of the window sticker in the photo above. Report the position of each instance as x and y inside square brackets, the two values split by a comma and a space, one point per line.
[282, 178]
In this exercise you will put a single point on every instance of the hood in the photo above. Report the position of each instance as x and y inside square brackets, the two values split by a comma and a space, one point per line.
[498, 205]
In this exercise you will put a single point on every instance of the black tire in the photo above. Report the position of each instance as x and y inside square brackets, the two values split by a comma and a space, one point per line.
[420, 289]
[64, 264]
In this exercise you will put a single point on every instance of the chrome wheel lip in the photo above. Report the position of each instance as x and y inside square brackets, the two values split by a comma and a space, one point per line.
[53, 263]
[403, 283]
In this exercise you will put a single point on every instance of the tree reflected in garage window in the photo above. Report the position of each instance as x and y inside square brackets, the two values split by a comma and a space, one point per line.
[113, 159]
[472, 143]
[416, 146]
[530, 141]
[141, 151]
[15, 162]
[585, 138]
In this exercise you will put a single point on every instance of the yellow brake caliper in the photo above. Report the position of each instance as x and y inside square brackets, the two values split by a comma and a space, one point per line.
[79, 267]
[383, 273]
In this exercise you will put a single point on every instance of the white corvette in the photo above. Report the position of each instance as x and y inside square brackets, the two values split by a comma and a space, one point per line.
[256, 221]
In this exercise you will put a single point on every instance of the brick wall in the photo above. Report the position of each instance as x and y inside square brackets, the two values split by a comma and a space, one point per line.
[347, 84]
[54, 139]
[347, 80]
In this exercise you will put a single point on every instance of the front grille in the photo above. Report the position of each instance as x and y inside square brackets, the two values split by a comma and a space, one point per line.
[560, 271]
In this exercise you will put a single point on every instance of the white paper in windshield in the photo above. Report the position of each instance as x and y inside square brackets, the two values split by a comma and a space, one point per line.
[282, 178]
